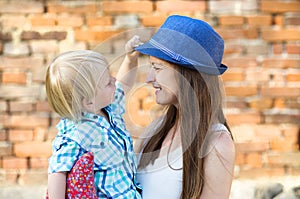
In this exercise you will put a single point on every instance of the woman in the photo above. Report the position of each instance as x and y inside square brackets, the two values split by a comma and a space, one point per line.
[189, 152]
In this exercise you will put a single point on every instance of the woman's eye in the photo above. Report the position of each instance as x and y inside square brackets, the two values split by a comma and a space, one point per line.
[156, 68]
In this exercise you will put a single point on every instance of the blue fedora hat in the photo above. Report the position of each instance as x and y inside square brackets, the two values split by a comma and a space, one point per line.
[187, 42]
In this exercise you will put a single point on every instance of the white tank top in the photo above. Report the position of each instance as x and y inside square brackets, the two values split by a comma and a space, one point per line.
[159, 181]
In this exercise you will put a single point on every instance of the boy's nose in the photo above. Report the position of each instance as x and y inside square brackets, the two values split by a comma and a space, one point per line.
[150, 76]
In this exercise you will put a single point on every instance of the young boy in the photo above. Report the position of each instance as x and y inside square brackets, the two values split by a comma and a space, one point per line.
[91, 103]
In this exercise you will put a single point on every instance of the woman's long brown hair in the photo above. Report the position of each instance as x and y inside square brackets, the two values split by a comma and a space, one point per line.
[200, 105]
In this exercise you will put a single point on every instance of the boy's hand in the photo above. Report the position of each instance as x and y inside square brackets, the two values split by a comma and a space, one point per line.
[129, 47]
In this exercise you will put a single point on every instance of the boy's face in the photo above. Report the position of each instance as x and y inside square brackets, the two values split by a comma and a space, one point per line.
[104, 92]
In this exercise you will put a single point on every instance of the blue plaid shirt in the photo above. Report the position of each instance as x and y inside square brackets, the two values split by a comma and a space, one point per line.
[114, 158]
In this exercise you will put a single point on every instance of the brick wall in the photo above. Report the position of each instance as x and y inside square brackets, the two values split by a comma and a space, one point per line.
[262, 48]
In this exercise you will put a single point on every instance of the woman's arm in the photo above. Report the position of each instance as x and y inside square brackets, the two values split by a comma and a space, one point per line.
[57, 185]
[127, 72]
[218, 168]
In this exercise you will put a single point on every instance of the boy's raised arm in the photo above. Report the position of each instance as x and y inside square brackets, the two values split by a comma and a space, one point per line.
[127, 72]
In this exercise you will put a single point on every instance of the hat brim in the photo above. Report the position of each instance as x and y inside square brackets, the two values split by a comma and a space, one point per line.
[148, 49]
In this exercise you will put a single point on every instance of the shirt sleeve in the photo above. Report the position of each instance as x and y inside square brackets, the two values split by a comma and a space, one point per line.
[65, 153]
[118, 105]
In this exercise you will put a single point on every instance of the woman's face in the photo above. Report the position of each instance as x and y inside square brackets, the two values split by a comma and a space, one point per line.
[162, 76]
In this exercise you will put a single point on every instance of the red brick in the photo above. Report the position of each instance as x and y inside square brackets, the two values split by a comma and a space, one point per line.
[254, 160]
[153, 21]
[233, 49]
[281, 63]
[290, 131]
[19, 106]
[27, 121]
[241, 62]
[239, 91]
[20, 62]
[89, 35]
[243, 132]
[240, 159]
[43, 47]
[290, 159]
[244, 118]
[14, 163]
[267, 132]
[259, 20]
[42, 20]
[179, 6]
[233, 76]
[122, 7]
[16, 135]
[99, 21]
[293, 48]
[252, 146]
[21, 7]
[279, 20]
[13, 21]
[294, 171]
[259, 172]
[6, 149]
[43, 106]
[14, 78]
[280, 91]
[5, 36]
[280, 6]
[292, 103]
[276, 118]
[9, 177]
[272, 35]
[3, 135]
[38, 163]
[55, 35]
[283, 145]
[33, 177]
[279, 103]
[70, 21]
[30, 35]
[231, 20]
[34, 149]
[3, 106]
[231, 33]
[277, 48]
[293, 19]
[257, 76]
[78, 7]
[14, 91]
[260, 103]
[39, 134]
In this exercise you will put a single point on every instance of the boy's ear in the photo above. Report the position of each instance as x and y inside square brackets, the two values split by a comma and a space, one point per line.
[87, 104]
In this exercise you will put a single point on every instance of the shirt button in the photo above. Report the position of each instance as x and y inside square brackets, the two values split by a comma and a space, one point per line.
[102, 145]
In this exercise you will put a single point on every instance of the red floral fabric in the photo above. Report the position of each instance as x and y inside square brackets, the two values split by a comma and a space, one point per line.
[80, 180]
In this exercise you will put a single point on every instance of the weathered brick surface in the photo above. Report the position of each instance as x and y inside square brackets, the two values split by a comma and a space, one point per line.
[121, 7]
[14, 77]
[34, 149]
[185, 6]
[72, 7]
[280, 6]
[262, 81]
[10, 162]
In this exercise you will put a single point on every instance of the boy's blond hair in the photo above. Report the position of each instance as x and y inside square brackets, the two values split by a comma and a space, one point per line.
[72, 77]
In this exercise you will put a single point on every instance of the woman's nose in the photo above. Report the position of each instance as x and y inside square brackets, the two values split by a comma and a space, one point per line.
[150, 76]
